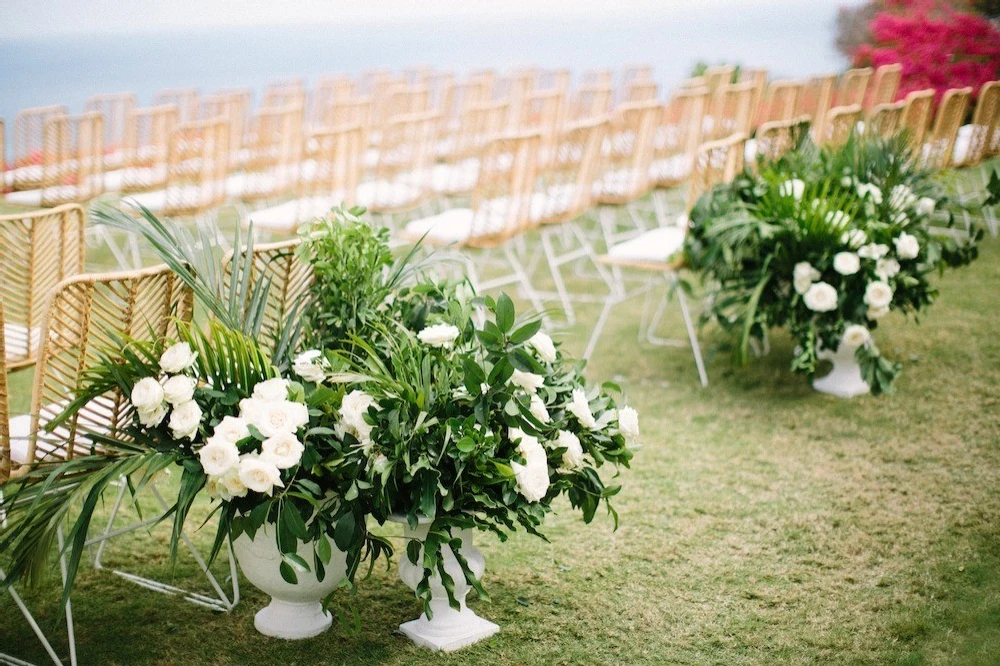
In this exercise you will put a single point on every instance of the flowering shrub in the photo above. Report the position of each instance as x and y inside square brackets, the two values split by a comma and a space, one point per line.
[826, 242]
[938, 46]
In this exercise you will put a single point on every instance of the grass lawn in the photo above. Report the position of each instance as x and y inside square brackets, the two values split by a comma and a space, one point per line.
[762, 523]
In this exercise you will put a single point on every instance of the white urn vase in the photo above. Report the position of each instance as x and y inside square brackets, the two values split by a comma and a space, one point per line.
[448, 629]
[296, 610]
[844, 380]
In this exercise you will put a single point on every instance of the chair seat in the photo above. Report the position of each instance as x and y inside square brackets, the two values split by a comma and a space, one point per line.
[962, 143]
[58, 193]
[135, 178]
[451, 226]
[181, 196]
[389, 194]
[52, 445]
[673, 168]
[16, 341]
[289, 215]
[554, 202]
[654, 246]
[619, 183]
[460, 177]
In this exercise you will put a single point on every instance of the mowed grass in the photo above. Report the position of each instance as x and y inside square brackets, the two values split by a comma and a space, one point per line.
[762, 523]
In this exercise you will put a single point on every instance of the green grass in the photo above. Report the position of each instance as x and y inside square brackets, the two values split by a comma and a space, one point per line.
[762, 523]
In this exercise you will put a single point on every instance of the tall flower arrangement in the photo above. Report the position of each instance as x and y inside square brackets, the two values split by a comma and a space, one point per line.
[826, 242]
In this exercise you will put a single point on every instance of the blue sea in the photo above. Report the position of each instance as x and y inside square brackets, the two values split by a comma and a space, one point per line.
[790, 40]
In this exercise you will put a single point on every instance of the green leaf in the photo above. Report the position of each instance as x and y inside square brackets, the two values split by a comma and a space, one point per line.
[287, 573]
[525, 332]
[505, 313]
[344, 533]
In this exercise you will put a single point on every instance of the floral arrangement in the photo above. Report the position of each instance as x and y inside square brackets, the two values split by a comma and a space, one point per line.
[431, 403]
[826, 242]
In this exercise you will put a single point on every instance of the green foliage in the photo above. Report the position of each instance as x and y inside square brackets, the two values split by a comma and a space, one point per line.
[766, 238]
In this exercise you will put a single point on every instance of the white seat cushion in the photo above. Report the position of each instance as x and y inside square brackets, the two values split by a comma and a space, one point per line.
[459, 177]
[15, 339]
[389, 194]
[654, 246]
[49, 445]
[619, 182]
[962, 143]
[451, 226]
[553, 202]
[675, 167]
[289, 215]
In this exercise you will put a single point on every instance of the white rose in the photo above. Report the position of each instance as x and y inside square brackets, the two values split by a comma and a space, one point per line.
[216, 489]
[283, 450]
[231, 429]
[352, 412]
[580, 408]
[573, 456]
[178, 389]
[925, 206]
[846, 263]
[218, 457]
[846, 181]
[901, 197]
[259, 475]
[821, 297]
[153, 416]
[878, 295]
[870, 191]
[185, 419]
[306, 366]
[179, 357]
[439, 335]
[837, 218]
[275, 418]
[271, 390]
[886, 267]
[380, 464]
[803, 275]
[899, 218]
[628, 423]
[233, 484]
[873, 251]
[855, 335]
[907, 246]
[543, 346]
[538, 410]
[794, 188]
[877, 313]
[854, 238]
[529, 381]
[533, 476]
[147, 394]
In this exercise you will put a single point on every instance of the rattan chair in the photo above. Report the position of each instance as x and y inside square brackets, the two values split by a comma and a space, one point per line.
[972, 143]
[554, 79]
[347, 112]
[37, 251]
[718, 76]
[627, 154]
[329, 90]
[289, 278]
[114, 108]
[333, 160]
[72, 162]
[591, 102]
[640, 91]
[272, 152]
[29, 146]
[816, 100]
[775, 139]
[185, 99]
[147, 149]
[542, 112]
[400, 178]
[196, 170]
[233, 105]
[499, 214]
[284, 93]
[853, 86]
[730, 111]
[758, 79]
[885, 120]
[780, 101]
[917, 110]
[841, 122]
[939, 147]
[654, 251]
[677, 136]
[597, 77]
[515, 89]
[460, 152]
[884, 85]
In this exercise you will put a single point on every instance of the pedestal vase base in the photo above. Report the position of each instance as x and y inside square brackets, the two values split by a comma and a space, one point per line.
[460, 632]
[292, 621]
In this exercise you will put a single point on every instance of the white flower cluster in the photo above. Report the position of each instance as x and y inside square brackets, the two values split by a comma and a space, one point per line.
[533, 476]
[856, 335]
[153, 397]
[311, 366]
[231, 473]
[352, 416]
[439, 335]
[870, 191]
[794, 188]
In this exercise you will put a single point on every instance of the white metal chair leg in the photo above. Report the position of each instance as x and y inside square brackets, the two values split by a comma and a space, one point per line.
[10, 660]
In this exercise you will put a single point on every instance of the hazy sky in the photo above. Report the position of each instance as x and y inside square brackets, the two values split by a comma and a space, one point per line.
[23, 18]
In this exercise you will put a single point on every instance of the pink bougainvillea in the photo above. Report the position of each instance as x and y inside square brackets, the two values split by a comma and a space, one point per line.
[939, 46]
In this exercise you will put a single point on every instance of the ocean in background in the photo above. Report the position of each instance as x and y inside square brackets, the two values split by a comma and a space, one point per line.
[790, 41]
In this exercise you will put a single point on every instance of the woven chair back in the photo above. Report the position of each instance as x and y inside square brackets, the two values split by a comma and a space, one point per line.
[776, 138]
[72, 159]
[334, 161]
[4, 409]
[566, 181]
[917, 110]
[884, 85]
[114, 108]
[147, 147]
[816, 100]
[283, 93]
[730, 110]
[716, 162]
[678, 135]
[841, 122]
[272, 152]
[88, 316]
[591, 102]
[939, 147]
[780, 101]
[628, 153]
[233, 105]
[405, 156]
[329, 90]
[853, 86]
[985, 121]
[29, 145]
[185, 99]
[197, 166]
[501, 200]
[886, 119]
[640, 91]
